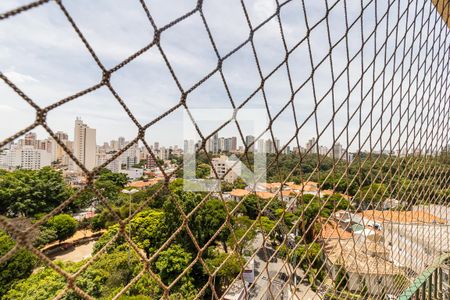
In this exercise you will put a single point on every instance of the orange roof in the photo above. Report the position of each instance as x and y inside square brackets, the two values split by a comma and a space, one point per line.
[265, 195]
[402, 216]
[142, 184]
[305, 187]
[346, 197]
[310, 188]
[273, 185]
[331, 230]
[287, 193]
[310, 183]
[239, 192]
[326, 192]
[295, 186]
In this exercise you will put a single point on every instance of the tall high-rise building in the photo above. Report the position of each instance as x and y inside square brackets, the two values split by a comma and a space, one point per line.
[323, 150]
[121, 142]
[25, 157]
[338, 151]
[311, 146]
[261, 146]
[34, 159]
[233, 146]
[249, 142]
[277, 145]
[221, 144]
[209, 147]
[156, 146]
[189, 146]
[30, 139]
[215, 143]
[269, 146]
[85, 144]
[114, 145]
[58, 152]
[227, 145]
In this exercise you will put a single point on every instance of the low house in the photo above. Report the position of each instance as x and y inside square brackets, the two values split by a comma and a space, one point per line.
[133, 173]
[265, 195]
[415, 217]
[238, 194]
[226, 169]
[332, 230]
[363, 265]
[142, 184]
[324, 193]
[392, 203]
[308, 187]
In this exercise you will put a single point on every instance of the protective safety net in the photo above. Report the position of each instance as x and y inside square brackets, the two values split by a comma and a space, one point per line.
[360, 212]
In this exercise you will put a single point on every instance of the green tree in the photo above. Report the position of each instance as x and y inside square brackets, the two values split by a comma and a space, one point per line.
[29, 192]
[186, 201]
[98, 222]
[371, 196]
[44, 284]
[172, 262]
[311, 211]
[19, 266]
[202, 171]
[106, 237]
[208, 219]
[63, 225]
[147, 230]
[110, 273]
[228, 271]
[46, 236]
[102, 279]
[243, 235]
[252, 205]
[239, 183]
[110, 184]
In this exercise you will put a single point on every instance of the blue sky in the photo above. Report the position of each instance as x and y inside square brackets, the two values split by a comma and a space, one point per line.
[41, 53]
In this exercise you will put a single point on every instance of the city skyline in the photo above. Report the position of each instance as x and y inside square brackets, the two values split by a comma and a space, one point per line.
[47, 80]
[31, 152]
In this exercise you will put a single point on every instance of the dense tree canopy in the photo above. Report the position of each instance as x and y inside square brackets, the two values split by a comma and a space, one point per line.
[145, 230]
[28, 192]
[63, 225]
[207, 221]
[19, 266]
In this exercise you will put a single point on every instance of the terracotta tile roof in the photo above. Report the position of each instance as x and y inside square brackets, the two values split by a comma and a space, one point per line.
[265, 195]
[346, 197]
[239, 193]
[287, 193]
[275, 184]
[331, 230]
[270, 185]
[360, 258]
[402, 216]
[310, 188]
[295, 186]
[305, 188]
[326, 192]
[142, 184]
[242, 193]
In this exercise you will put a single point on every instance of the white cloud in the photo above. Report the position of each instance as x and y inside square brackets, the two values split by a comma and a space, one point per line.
[42, 54]
[19, 78]
[7, 108]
